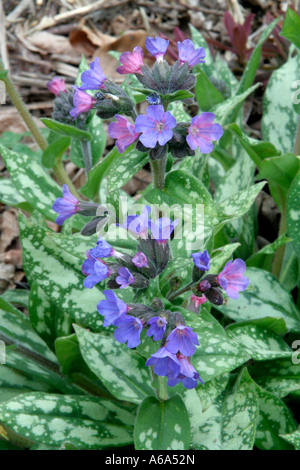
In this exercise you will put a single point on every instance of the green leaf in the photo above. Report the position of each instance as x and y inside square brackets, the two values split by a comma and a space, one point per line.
[256, 149]
[237, 205]
[280, 377]
[265, 298]
[58, 273]
[66, 129]
[228, 423]
[86, 422]
[207, 94]
[10, 196]
[263, 258]
[121, 370]
[293, 213]
[274, 419]
[279, 122]
[260, 343]
[125, 167]
[253, 63]
[293, 438]
[32, 182]
[225, 109]
[291, 27]
[178, 95]
[16, 297]
[162, 425]
[3, 74]
[82, 67]
[55, 152]
[280, 170]
[46, 317]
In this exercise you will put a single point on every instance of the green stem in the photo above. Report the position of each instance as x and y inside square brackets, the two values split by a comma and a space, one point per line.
[158, 172]
[297, 142]
[279, 255]
[87, 155]
[182, 290]
[159, 386]
[17, 101]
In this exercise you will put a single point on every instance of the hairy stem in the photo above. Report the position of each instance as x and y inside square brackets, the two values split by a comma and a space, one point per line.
[158, 168]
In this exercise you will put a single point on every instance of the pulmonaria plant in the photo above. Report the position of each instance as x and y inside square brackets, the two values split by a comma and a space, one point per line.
[177, 342]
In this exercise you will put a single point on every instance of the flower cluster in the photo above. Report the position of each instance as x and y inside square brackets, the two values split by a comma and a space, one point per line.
[178, 342]
[231, 279]
[157, 131]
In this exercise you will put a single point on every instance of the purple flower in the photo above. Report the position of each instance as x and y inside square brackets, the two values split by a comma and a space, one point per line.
[93, 79]
[157, 328]
[188, 53]
[102, 250]
[157, 47]
[140, 260]
[82, 101]
[131, 61]
[57, 86]
[165, 363]
[112, 308]
[138, 224]
[202, 132]
[202, 260]
[155, 126]
[182, 339]
[198, 300]
[95, 270]
[162, 228]
[231, 279]
[129, 329]
[187, 374]
[125, 278]
[65, 206]
[123, 131]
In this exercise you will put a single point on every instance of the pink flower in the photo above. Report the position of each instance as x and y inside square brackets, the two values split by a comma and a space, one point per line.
[232, 280]
[202, 132]
[140, 260]
[82, 103]
[198, 300]
[123, 131]
[131, 61]
[57, 86]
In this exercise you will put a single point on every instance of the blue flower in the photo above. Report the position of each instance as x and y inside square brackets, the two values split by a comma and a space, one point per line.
[112, 308]
[93, 79]
[165, 363]
[140, 260]
[138, 224]
[128, 329]
[162, 229]
[188, 53]
[155, 126]
[157, 328]
[182, 339]
[153, 98]
[95, 270]
[65, 206]
[187, 374]
[157, 47]
[125, 278]
[202, 132]
[202, 260]
[102, 250]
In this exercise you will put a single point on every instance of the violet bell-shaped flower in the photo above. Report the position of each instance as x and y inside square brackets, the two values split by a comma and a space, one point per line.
[123, 131]
[131, 61]
[232, 278]
[202, 132]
